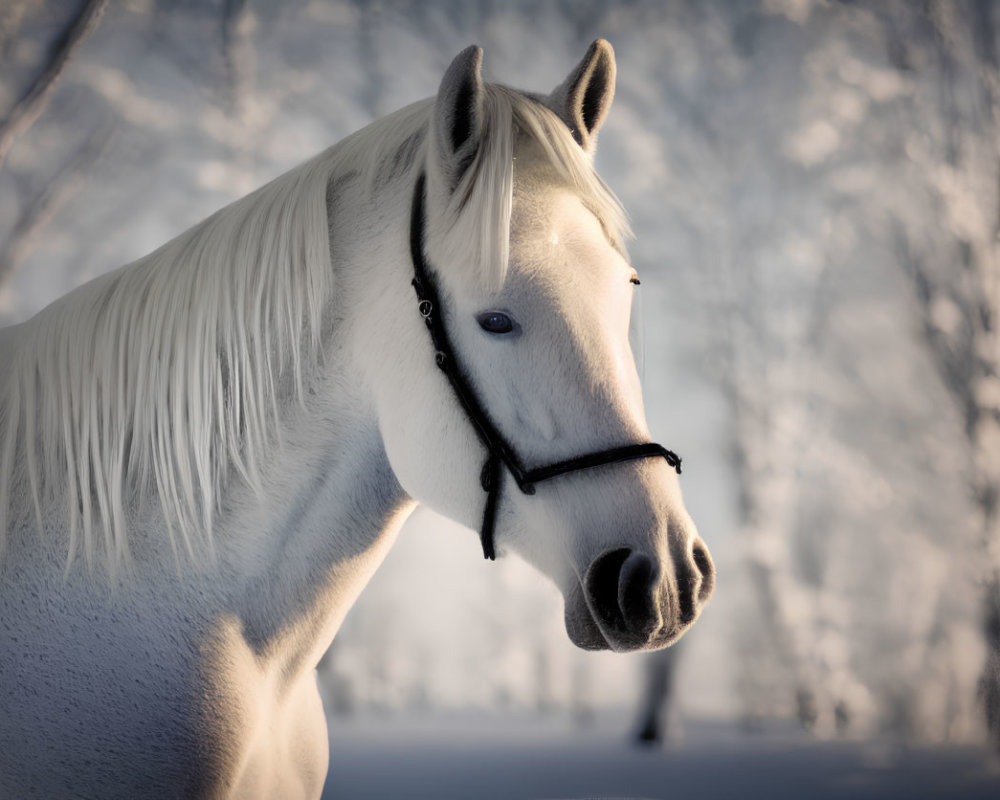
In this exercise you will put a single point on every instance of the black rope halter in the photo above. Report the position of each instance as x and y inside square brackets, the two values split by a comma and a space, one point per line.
[499, 451]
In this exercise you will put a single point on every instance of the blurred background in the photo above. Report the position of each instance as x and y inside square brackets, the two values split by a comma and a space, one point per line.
[815, 192]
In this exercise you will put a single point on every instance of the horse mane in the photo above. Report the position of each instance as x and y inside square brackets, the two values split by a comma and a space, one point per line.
[165, 375]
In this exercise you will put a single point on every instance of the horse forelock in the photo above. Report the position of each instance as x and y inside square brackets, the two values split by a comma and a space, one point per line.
[478, 211]
[167, 375]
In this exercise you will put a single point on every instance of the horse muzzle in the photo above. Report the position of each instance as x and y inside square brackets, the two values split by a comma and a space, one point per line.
[626, 601]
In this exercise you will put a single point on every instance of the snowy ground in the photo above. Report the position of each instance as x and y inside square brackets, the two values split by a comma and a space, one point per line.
[495, 756]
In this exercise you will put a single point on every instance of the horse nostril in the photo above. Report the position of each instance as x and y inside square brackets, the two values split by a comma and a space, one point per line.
[705, 566]
[602, 587]
[635, 594]
[687, 607]
[695, 580]
[620, 585]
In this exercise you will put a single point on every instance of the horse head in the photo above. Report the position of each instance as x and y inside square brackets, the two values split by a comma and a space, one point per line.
[523, 280]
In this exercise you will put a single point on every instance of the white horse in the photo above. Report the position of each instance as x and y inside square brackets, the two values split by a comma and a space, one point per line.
[205, 455]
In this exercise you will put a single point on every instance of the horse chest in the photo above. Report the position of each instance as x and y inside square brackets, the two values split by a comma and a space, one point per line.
[146, 696]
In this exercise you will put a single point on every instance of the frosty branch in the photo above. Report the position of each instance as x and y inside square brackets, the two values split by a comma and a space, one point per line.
[31, 105]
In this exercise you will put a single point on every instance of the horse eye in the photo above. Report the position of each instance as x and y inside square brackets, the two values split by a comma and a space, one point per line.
[496, 322]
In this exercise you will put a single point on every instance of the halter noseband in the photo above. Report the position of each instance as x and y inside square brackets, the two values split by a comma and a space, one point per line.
[499, 450]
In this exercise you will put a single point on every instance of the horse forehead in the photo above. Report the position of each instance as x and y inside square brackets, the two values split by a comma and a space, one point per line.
[552, 226]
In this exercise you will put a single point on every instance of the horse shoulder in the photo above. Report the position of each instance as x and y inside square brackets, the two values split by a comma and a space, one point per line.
[157, 677]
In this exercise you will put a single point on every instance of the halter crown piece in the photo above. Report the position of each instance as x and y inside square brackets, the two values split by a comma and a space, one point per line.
[499, 451]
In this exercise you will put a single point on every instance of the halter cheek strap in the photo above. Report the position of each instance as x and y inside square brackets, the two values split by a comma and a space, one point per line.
[499, 451]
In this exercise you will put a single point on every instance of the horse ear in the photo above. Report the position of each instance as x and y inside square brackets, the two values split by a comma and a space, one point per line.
[583, 99]
[458, 114]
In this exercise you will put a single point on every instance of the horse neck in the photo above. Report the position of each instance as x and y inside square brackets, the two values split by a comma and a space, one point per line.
[304, 550]
[290, 559]
[331, 505]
